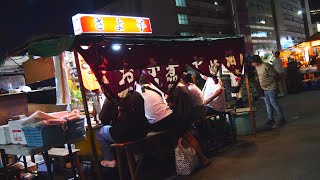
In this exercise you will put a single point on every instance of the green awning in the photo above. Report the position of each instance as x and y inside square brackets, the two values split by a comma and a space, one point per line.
[52, 47]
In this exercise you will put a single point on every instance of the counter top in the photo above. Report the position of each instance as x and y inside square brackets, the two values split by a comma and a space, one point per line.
[38, 90]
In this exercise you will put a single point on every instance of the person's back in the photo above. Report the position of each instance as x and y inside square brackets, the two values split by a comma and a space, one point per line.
[266, 75]
[131, 122]
[135, 123]
[196, 94]
[159, 115]
[277, 65]
[182, 104]
[155, 106]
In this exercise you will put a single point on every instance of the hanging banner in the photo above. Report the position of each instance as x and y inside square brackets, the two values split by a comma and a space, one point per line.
[206, 67]
[163, 62]
[90, 81]
[93, 23]
[165, 77]
[234, 62]
[120, 82]
[115, 83]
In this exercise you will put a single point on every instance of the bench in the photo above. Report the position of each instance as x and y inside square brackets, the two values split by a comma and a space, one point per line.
[208, 135]
[226, 113]
[140, 147]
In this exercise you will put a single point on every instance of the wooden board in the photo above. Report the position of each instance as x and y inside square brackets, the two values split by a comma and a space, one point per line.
[12, 105]
[38, 70]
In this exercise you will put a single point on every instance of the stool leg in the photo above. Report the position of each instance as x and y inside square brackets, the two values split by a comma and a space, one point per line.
[120, 166]
[131, 163]
[25, 164]
[233, 127]
[33, 159]
[48, 164]
[78, 165]
[72, 161]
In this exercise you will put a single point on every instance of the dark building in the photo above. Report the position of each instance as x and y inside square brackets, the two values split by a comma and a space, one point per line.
[210, 18]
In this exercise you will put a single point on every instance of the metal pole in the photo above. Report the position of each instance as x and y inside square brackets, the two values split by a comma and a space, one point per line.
[85, 104]
[253, 122]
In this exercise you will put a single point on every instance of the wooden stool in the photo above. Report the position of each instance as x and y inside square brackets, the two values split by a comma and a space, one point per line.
[128, 148]
[63, 153]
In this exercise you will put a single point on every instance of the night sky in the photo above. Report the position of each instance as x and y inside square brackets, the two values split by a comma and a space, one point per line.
[314, 4]
[22, 19]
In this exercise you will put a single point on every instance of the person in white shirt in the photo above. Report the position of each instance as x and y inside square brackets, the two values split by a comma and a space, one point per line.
[196, 96]
[277, 65]
[159, 115]
[213, 94]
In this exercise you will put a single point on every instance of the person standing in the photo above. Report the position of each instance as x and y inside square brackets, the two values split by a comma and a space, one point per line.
[268, 81]
[277, 64]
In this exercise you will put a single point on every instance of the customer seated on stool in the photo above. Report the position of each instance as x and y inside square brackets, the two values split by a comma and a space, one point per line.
[213, 94]
[159, 115]
[198, 108]
[185, 105]
[121, 124]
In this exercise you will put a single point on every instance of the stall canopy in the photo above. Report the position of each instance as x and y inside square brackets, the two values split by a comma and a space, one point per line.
[118, 61]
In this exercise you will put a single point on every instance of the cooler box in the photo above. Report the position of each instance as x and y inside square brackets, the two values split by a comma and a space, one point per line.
[45, 135]
[76, 129]
[16, 133]
[5, 134]
[242, 123]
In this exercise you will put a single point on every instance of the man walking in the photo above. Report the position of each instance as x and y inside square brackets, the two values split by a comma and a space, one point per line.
[268, 80]
[277, 64]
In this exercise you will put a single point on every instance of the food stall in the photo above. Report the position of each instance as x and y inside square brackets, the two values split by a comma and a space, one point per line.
[305, 53]
[111, 52]
[305, 59]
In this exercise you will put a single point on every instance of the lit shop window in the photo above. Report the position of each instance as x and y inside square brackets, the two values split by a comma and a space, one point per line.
[259, 34]
[185, 34]
[181, 3]
[183, 19]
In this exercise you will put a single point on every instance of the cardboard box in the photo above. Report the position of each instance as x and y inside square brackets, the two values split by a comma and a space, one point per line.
[16, 133]
[38, 70]
[5, 134]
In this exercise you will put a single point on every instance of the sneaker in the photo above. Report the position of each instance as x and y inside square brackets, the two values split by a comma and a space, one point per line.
[281, 123]
[270, 123]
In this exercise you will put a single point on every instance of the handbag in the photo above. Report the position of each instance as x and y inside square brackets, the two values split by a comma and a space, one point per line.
[186, 159]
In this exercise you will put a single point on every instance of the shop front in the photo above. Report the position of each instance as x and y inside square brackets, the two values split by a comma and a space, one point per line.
[107, 63]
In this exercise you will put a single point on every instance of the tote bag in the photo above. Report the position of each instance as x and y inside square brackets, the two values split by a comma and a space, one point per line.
[186, 159]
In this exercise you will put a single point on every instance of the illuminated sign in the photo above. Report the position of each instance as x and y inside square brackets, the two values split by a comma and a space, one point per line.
[286, 43]
[259, 34]
[92, 23]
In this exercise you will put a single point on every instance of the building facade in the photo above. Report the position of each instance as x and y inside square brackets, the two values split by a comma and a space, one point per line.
[209, 18]
[262, 27]
[315, 19]
[289, 15]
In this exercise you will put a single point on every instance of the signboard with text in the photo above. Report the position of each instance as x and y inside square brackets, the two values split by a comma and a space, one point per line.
[92, 23]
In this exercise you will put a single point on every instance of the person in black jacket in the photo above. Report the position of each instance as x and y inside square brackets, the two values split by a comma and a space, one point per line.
[122, 123]
[180, 100]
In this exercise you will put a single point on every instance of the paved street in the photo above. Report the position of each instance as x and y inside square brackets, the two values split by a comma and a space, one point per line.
[291, 152]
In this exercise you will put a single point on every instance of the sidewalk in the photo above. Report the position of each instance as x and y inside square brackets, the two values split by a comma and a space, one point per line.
[290, 152]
